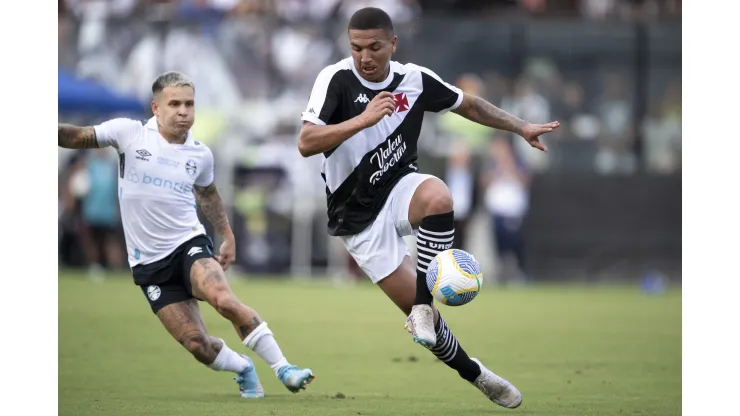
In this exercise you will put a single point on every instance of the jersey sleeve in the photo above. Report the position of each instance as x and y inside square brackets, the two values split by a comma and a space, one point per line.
[324, 98]
[438, 96]
[205, 175]
[118, 132]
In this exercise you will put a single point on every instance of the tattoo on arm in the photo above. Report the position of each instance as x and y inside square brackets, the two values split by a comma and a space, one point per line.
[73, 137]
[483, 112]
[213, 207]
[247, 329]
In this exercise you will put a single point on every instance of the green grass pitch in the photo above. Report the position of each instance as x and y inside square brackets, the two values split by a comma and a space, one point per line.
[571, 351]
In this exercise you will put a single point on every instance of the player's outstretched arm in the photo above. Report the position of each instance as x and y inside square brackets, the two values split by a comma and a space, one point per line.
[212, 205]
[315, 139]
[482, 112]
[73, 137]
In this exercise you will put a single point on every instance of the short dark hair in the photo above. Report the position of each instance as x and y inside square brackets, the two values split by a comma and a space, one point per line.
[370, 18]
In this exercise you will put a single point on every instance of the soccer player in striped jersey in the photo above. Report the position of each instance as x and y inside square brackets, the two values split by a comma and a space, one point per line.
[364, 117]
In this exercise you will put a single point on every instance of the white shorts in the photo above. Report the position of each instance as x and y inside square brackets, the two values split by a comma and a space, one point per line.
[380, 248]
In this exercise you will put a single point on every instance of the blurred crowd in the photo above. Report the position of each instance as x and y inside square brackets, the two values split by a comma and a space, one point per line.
[400, 10]
[254, 63]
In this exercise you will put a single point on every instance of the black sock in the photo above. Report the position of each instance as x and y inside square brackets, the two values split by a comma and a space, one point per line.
[436, 234]
[448, 350]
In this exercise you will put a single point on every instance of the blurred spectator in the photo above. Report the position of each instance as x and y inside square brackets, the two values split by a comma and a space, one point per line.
[71, 251]
[661, 132]
[299, 10]
[506, 184]
[528, 104]
[461, 130]
[533, 6]
[185, 51]
[299, 53]
[102, 8]
[66, 52]
[598, 9]
[96, 185]
[400, 11]
[497, 87]
[577, 121]
[461, 181]
[615, 155]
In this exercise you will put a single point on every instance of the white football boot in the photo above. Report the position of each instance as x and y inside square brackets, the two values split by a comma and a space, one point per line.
[420, 324]
[497, 389]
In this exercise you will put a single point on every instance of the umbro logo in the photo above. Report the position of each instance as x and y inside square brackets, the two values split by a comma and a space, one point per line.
[143, 154]
[194, 250]
[362, 98]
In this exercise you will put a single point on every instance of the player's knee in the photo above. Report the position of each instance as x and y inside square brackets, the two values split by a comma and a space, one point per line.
[440, 203]
[225, 303]
[436, 197]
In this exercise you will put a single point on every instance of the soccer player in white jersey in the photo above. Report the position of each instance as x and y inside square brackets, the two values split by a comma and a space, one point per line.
[162, 171]
[364, 115]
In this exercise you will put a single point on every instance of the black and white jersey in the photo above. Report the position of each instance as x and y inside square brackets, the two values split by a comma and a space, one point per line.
[361, 172]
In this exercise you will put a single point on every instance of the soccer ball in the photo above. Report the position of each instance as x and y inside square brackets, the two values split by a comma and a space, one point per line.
[454, 277]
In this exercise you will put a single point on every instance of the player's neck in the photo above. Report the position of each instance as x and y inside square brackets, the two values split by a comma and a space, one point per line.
[172, 138]
[386, 73]
[384, 76]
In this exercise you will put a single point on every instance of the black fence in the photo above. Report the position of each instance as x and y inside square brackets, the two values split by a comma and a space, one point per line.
[588, 227]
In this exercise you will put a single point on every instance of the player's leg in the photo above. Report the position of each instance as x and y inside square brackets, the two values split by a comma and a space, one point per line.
[184, 322]
[382, 253]
[91, 241]
[517, 246]
[113, 250]
[208, 283]
[400, 287]
[430, 209]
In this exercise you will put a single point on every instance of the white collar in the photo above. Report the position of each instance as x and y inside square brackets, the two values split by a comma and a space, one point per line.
[374, 85]
[152, 125]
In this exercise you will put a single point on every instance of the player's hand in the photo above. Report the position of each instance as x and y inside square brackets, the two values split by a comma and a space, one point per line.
[531, 133]
[380, 106]
[227, 253]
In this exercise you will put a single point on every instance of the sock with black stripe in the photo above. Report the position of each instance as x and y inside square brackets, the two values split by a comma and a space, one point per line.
[451, 353]
[436, 234]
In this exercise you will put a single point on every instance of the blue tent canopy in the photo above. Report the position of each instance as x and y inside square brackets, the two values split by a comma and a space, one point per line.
[82, 96]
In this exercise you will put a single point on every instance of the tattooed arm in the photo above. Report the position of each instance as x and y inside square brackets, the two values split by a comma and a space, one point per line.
[73, 137]
[482, 112]
[212, 206]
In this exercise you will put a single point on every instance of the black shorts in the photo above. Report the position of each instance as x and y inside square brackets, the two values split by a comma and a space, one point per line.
[167, 281]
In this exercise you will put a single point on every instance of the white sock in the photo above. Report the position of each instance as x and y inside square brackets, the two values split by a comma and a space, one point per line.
[263, 343]
[228, 360]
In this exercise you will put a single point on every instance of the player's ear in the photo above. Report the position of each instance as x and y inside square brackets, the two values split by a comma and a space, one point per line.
[155, 108]
[393, 42]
